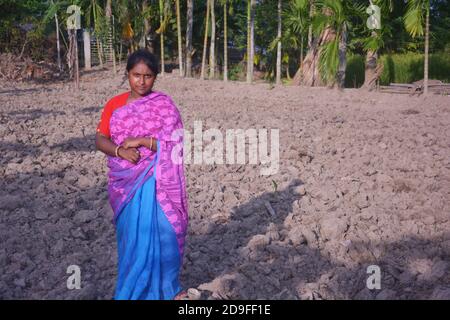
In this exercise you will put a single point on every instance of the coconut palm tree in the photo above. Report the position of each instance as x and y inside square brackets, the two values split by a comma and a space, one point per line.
[278, 76]
[331, 16]
[161, 28]
[225, 40]
[180, 48]
[250, 39]
[417, 16]
[227, 9]
[325, 62]
[310, 30]
[212, 48]
[146, 15]
[189, 26]
[205, 41]
[108, 14]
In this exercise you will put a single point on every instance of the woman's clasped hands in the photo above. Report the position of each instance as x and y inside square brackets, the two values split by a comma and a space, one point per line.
[129, 149]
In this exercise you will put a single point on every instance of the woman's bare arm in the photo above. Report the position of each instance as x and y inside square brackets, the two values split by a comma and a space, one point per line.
[105, 145]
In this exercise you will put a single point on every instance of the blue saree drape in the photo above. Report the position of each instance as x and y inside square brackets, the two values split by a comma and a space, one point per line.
[148, 254]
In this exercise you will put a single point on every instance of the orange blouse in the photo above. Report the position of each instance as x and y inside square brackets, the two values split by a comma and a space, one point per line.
[113, 104]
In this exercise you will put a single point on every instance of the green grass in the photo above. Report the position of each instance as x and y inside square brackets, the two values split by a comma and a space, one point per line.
[399, 68]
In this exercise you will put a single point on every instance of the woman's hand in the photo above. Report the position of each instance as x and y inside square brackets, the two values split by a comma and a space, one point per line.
[131, 154]
[132, 142]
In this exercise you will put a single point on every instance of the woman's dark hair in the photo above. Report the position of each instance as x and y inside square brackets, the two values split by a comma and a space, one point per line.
[143, 55]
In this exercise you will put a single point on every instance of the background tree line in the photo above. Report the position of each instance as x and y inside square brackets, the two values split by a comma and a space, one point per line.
[309, 42]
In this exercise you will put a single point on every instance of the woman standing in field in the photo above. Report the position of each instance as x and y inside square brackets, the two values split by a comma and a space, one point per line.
[141, 133]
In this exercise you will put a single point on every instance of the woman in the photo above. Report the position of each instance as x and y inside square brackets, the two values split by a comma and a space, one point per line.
[141, 133]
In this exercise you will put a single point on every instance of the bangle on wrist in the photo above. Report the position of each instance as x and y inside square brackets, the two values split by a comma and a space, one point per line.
[117, 151]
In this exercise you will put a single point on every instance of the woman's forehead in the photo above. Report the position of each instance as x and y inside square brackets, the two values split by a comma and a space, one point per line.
[141, 67]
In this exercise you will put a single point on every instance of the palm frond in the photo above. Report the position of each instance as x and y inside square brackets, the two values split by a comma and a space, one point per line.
[329, 60]
[414, 18]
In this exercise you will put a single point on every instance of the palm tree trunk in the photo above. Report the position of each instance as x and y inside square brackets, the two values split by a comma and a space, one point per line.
[108, 14]
[248, 35]
[278, 80]
[371, 75]
[161, 19]
[342, 57]
[147, 28]
[212, 49]
[225, 42]
[205, 41]
[58, 46]
[309, 74]
[190, 23]
[97, 34]
[77, 68]
[251, 41]
[310, 30]
[300, 64]
[427, 48]
[301, 52]
[180, 48]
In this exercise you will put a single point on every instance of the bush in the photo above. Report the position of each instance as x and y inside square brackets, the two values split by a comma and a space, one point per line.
[354, 74]
[237, 72]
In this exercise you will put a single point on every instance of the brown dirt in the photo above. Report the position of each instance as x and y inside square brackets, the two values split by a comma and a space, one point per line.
[364, 179]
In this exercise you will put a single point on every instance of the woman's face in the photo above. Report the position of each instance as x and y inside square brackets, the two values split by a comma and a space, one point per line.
[141, 79]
